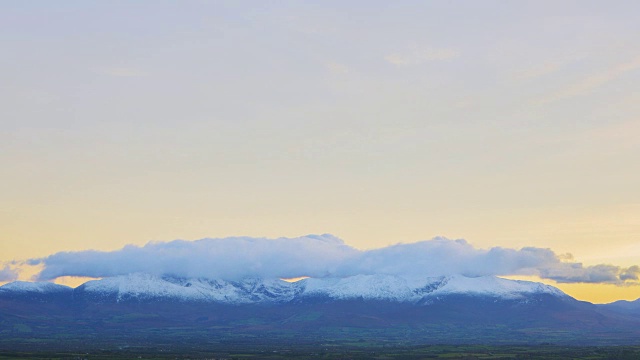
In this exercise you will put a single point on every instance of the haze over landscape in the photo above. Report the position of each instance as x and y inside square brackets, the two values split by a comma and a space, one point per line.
[429, 138]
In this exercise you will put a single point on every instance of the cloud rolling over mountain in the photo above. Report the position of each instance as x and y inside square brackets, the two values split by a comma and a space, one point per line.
[8, 274]
[322, 256]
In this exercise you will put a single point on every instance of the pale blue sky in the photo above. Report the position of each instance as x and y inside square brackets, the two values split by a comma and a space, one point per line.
[504, 123]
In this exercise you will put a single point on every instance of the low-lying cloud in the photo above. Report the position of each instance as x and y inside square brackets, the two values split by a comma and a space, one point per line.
[8, 274]
[323, 256]
[228, 258]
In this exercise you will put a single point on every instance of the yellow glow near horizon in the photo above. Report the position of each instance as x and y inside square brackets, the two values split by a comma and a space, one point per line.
[595, 293]
[294, 279]
[73, 281]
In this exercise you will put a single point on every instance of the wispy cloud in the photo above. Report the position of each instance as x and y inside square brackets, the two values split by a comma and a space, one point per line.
[8, 274]
[123, 72]
[547, 67]
[576, 273]
[623, 135]
[418, 56]
[326, 255]
[539, 70]
[337, 68]
[592, 82]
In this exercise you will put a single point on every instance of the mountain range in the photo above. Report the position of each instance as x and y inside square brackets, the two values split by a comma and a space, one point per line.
[143, 308]
[145, 287]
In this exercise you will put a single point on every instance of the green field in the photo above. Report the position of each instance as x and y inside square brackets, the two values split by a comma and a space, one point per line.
[344, 351]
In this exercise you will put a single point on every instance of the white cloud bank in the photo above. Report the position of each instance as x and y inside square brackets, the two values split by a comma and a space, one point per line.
[325, 255]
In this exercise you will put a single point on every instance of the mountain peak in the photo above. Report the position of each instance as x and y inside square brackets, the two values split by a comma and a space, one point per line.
[495, 286]
[34, 287]
[379, 287]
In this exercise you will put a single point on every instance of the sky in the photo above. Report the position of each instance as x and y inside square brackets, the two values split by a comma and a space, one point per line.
[511, 125]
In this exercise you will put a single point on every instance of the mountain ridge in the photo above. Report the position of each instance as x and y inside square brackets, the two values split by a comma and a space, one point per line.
[145, 308]
[141, 286]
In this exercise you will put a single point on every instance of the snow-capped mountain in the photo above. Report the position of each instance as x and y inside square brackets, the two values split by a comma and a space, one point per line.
[141, 287]
[26, 287]
[433, 309]
[35, 291]
[148, 287]
[395, 288]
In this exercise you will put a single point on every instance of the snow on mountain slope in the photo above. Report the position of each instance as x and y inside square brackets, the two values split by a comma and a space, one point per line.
[394, 288]
[144, 286]
[495, 287]
[34, 287]
[368, 287]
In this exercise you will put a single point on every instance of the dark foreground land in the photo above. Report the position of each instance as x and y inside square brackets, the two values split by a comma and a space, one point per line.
[343, 351]
[544, 327]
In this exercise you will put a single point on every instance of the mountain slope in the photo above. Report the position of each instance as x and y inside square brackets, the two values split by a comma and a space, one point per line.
[627, 308]
[26, 287]
[377, 307]
[35, 291]
[143, 287]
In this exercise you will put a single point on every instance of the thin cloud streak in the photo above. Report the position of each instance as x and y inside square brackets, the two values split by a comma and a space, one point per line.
[326, 256]
[551, 66]
[123, 72]
[591, 83]
[539, 71]
[416, 57]
[337, 68]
